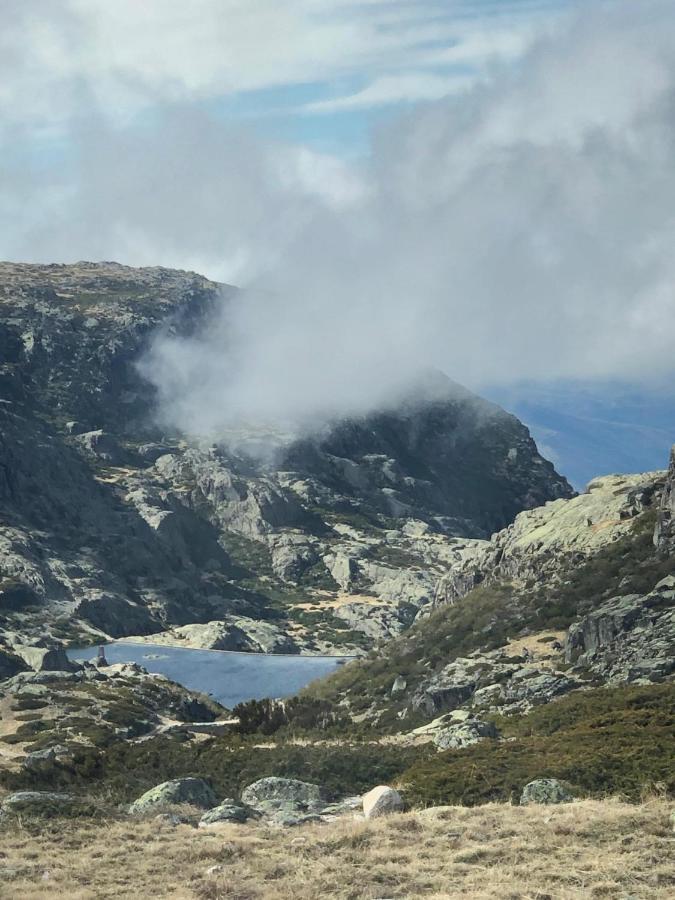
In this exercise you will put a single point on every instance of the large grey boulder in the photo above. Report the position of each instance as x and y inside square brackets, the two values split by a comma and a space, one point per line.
[545, 791]
[272, 793]
[192, 791]
[381, 801]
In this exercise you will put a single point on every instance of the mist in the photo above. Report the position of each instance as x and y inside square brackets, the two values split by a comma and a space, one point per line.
[521, 231]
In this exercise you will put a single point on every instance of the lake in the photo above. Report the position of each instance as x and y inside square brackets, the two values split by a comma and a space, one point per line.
[229, 677]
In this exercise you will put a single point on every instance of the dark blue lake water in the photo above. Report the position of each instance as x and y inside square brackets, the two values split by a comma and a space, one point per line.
[229, 677]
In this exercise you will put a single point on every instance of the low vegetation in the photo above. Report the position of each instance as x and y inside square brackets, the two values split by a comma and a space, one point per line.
[604, 741]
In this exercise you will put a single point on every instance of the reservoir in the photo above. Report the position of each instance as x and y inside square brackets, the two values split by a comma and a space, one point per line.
[229, 677]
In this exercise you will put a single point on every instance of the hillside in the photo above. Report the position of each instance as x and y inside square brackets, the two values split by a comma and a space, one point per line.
[110, 526]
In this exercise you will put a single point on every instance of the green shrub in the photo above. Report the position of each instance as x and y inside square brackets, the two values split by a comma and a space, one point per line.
[123, 770]
[600, 742]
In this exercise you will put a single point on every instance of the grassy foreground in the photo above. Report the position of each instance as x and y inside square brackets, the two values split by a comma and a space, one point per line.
[587, 849]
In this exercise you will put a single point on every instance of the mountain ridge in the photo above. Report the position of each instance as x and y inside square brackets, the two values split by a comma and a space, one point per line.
[114, 526]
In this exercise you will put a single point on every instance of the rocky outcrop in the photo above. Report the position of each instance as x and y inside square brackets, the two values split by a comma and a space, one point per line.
[543, 542]
[455, 730]
[37, 803]
[237, 633]
[51, 658]
[110, 527]
[491, 682]
[630, 638]
[664, 533]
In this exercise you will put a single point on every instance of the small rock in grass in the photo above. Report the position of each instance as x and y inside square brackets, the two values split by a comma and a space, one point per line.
[545, 790]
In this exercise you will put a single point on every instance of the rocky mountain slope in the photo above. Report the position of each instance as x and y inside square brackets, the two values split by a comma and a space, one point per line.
[576, 594]
[109, 526]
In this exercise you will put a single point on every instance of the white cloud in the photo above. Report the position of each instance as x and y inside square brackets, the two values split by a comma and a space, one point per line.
[522, 229]
[388, 89]
[60, 58]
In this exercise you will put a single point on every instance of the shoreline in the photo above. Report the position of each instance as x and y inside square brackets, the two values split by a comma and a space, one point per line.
[245, 653]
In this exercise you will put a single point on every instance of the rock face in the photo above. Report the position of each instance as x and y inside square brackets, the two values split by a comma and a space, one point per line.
[630, 638]
[545, 791]
[543, 541]
[381, 801]
[491, 681]
[111, 526]
[193, 791]
[664, 534]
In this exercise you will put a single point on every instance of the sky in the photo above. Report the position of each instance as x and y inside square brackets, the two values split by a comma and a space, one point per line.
[486, 187]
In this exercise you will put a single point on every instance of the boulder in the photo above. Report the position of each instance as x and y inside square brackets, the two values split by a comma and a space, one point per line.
[399, 686]
[272, 793]
[39, 758]
[45, 659]
[37, 802]
[628, 638]
[227, 811]
[193, 791]
[463, 734]
[381, 801]
[545, 791]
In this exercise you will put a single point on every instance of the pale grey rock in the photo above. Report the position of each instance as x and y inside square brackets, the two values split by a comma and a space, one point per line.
[381, 801]
[292, 555]
[192, 791]
[102, 446]
[541, 541]
[239, 633]
[343, 569]
[399, 686]
[45, 659]
[464, 734]
[491, 680]
[378, 621]
[545, 791]
[39, 758]
[268, 794]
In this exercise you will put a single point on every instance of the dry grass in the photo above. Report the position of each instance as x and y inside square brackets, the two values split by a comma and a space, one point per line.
[588, 849]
